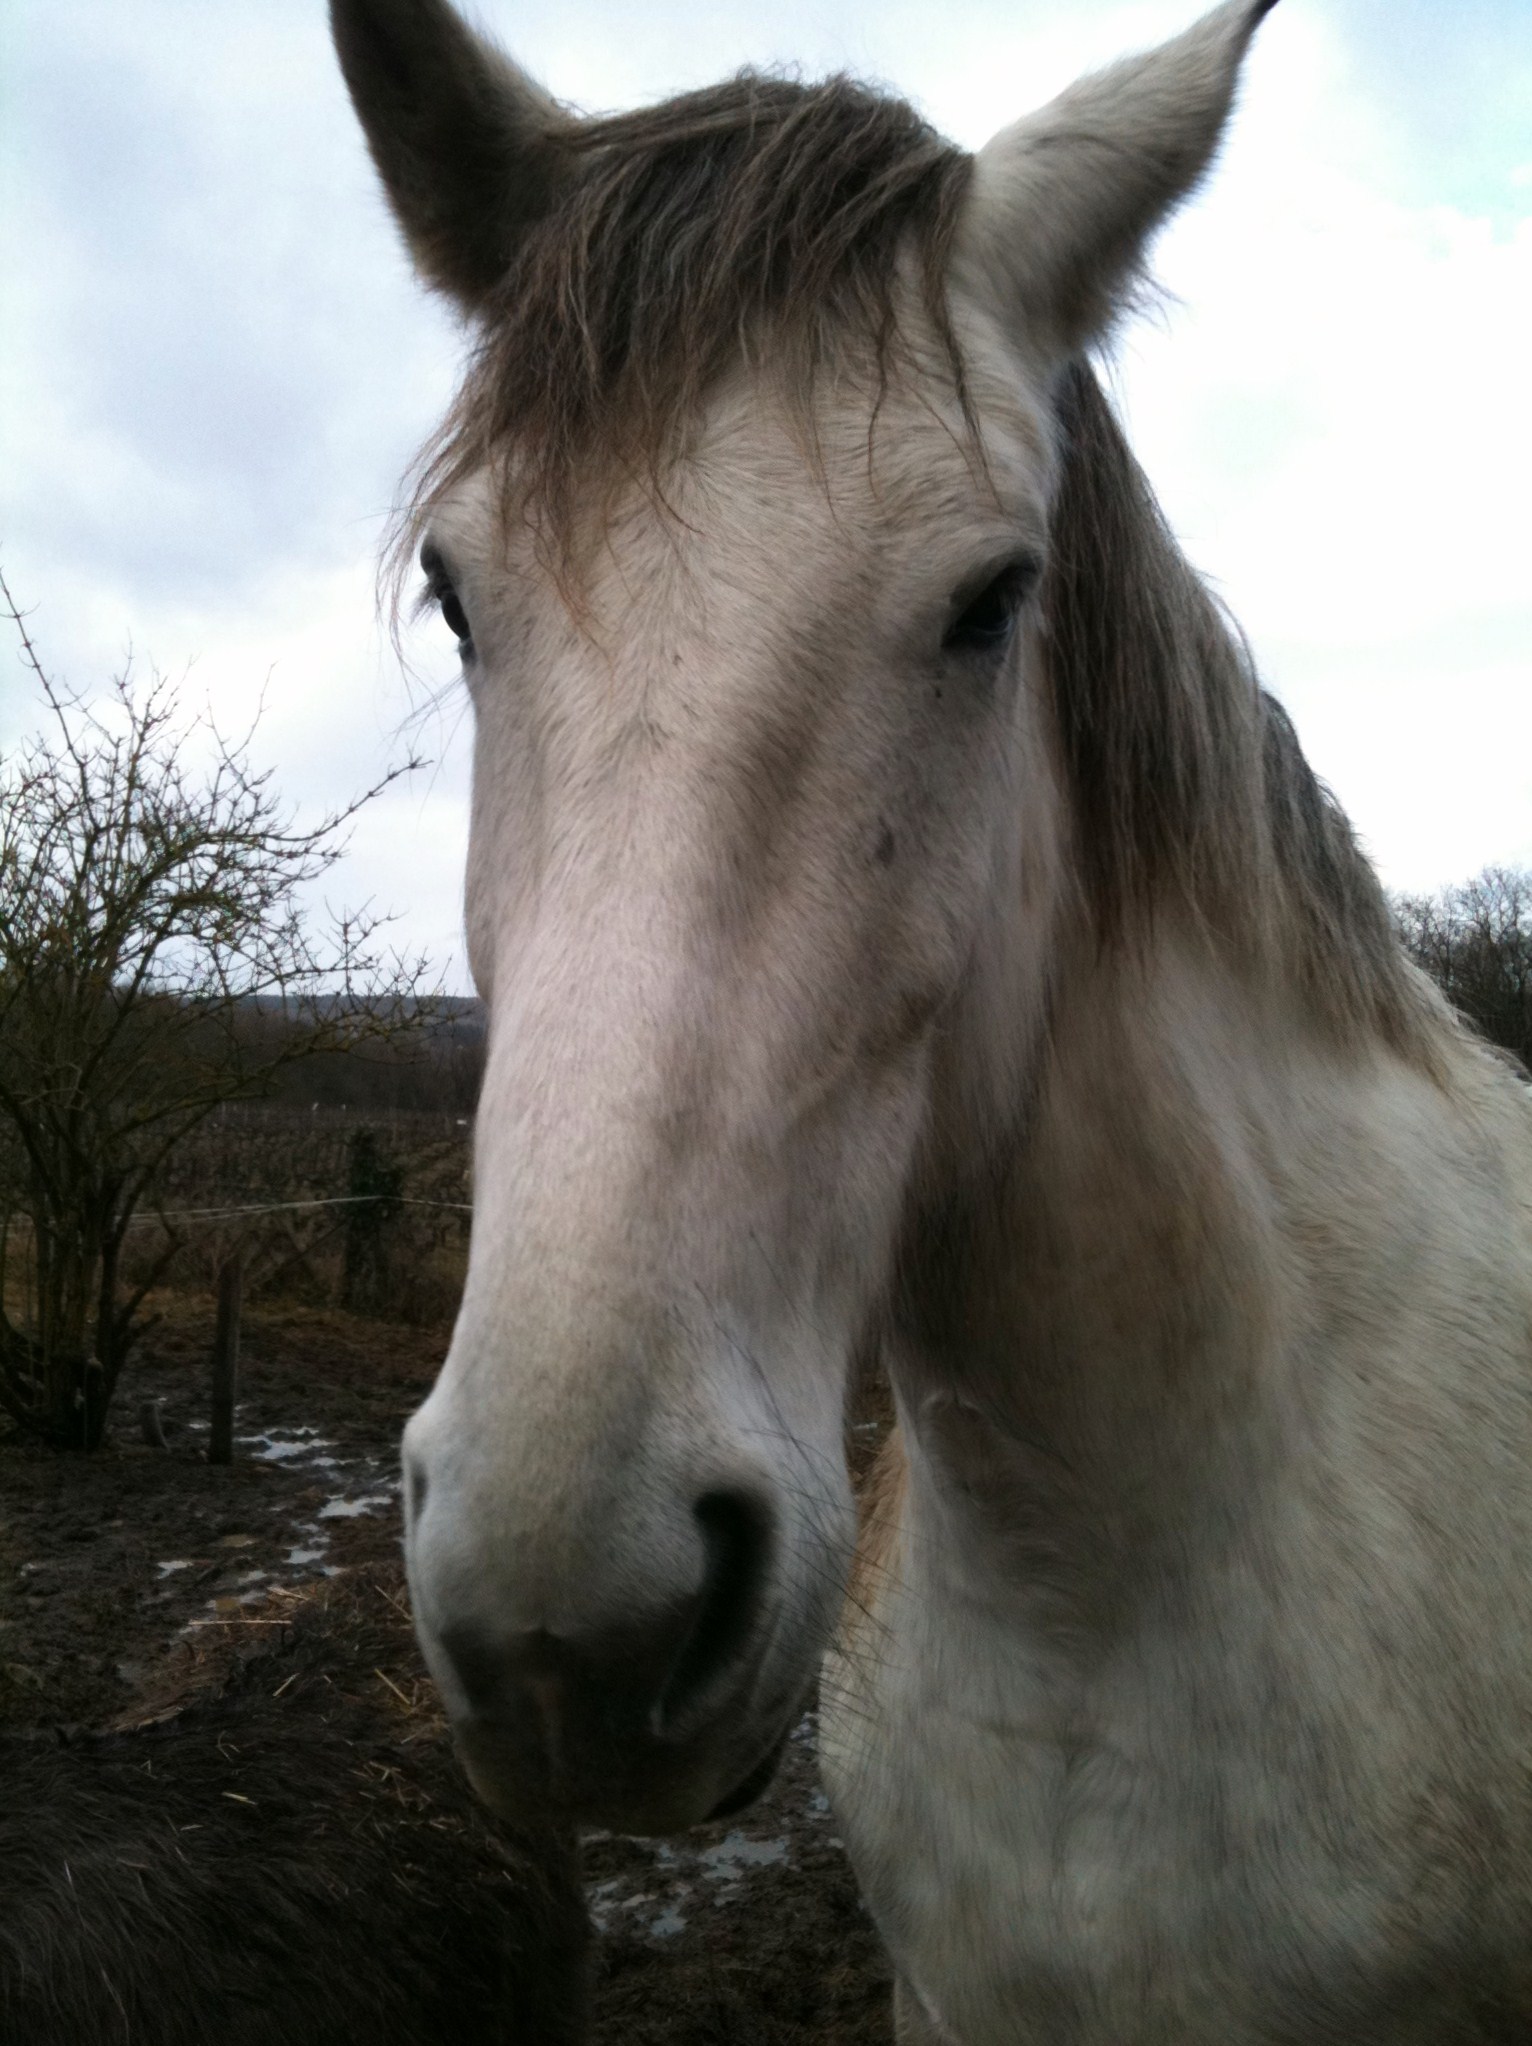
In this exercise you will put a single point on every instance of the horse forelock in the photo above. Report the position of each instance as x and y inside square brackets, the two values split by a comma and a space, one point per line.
[761, 217]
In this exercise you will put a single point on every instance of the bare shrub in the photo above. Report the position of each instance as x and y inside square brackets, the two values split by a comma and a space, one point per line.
[155, 963]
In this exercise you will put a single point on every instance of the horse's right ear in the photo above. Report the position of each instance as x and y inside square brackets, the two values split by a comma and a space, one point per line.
[470, 151]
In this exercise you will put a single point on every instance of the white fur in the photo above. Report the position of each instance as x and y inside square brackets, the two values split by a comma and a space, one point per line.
[1189, 1700]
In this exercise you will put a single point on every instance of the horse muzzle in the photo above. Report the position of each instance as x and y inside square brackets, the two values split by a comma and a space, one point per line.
[571, 1746]
[636, 1704]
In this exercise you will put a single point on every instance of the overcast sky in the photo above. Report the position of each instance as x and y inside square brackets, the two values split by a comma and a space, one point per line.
[214, 366]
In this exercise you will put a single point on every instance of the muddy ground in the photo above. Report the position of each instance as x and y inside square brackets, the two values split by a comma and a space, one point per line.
[131, 1583]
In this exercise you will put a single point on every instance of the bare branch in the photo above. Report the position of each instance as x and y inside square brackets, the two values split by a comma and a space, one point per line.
[157, 959]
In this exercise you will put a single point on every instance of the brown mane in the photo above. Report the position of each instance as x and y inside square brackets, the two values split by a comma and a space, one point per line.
[1184, 774]
[760, 217]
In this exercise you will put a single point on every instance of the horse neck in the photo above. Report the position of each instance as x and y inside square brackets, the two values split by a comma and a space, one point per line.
[1104, 1328]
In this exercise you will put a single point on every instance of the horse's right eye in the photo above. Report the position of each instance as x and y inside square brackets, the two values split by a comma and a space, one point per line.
[441, 590]
[452, 610]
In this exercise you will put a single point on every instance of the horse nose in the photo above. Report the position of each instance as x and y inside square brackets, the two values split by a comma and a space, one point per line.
[651, 1673]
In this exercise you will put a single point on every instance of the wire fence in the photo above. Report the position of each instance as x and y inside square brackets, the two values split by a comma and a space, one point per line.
[324, 1206]
[294, 1207]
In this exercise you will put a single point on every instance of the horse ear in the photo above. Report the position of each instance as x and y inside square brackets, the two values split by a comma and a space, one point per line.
[470, 151]
[1062, 204]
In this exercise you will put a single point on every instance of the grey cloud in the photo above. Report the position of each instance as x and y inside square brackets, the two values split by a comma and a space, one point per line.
[224, 362]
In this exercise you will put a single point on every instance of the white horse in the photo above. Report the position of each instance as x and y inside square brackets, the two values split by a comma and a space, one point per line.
[904, 920]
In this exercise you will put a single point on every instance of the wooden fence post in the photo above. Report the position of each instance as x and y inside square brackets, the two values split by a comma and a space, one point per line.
[220, 1448]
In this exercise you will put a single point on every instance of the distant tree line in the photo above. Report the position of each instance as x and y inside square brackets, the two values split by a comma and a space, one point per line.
[1475, 941]
[436, 1067]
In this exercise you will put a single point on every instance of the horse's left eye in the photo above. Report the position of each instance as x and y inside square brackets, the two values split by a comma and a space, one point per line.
[986, 621]
[441, 591]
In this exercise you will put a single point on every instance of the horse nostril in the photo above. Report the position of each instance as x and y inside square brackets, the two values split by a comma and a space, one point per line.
[415, 1473]
[737, 1536]
[479, 1663]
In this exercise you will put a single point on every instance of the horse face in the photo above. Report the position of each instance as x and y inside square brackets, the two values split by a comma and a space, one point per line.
[765, 842]
[742, 799]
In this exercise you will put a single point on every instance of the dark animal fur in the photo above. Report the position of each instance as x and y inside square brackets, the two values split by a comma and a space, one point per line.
[251, 1874]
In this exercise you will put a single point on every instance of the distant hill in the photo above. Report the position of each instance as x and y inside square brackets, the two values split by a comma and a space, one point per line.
[436, 1066]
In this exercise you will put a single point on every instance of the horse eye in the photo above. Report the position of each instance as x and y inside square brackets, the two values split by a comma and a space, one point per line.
[441, 591]
[986, 622]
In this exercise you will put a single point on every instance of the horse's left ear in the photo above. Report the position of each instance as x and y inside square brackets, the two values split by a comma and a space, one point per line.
[1062, 204]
